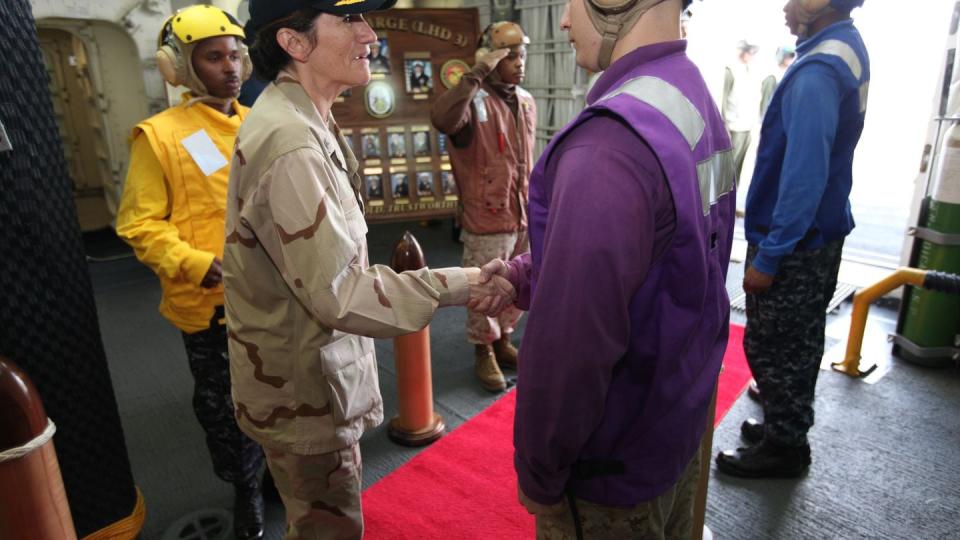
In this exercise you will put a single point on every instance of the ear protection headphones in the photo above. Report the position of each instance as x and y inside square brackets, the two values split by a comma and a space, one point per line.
[483, 44]
[169, 63]
[181, 31]
[613, 18]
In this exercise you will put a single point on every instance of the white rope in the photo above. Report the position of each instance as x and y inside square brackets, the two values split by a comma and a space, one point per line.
[40, 440]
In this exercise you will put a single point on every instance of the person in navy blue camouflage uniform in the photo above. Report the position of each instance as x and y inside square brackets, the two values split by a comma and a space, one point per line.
[797, 216]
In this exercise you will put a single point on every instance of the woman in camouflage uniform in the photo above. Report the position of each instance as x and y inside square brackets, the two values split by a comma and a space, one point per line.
[302, 302]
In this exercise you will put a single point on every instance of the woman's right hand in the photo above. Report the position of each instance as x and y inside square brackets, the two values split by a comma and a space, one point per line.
[489, 294]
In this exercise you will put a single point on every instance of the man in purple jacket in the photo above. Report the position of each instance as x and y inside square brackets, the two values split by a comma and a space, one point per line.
[631, 222]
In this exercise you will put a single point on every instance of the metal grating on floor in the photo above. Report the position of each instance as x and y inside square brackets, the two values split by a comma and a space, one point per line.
[843, 291]
[738, 302]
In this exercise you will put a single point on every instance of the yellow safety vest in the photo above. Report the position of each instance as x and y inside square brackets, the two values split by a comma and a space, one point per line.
[173, 215]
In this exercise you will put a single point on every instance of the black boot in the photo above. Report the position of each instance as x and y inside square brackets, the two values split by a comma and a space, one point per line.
[766, 459]
[248, 511]
[751, 430]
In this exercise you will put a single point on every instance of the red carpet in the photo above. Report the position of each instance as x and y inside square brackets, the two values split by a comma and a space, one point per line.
[735, 376]
[464, 485]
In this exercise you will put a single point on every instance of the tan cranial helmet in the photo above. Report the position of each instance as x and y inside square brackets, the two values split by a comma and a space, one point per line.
[501, 35]
[507, 34]
[614, 18]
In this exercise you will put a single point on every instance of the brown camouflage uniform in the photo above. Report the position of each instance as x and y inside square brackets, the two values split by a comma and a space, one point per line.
[667, 517]
[321, 493]
[300, 297]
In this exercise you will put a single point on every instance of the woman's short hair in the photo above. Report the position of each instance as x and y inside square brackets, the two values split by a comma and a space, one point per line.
[267, 55]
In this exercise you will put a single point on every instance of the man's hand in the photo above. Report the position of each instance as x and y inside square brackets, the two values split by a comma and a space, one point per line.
[492, 58]
[214, 275]
[489, 297]
[755, 281]
[496, 267]
[538, 509]
[495, 273]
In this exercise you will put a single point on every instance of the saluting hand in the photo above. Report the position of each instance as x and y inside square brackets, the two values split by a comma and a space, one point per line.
[492, 58]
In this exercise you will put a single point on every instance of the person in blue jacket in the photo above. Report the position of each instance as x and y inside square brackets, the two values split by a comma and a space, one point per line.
[797, 216]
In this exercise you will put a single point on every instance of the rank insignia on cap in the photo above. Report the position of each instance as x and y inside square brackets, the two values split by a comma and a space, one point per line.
[348, 2]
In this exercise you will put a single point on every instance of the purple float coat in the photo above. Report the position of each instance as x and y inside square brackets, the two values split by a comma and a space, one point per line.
[628, 306]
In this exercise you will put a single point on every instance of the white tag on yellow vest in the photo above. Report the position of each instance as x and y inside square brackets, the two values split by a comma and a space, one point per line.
[204, 153]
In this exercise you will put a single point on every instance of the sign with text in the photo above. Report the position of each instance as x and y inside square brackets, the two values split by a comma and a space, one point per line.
[404, 161]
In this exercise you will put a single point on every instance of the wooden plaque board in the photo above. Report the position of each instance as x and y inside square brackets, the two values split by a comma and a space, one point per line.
[403, 160]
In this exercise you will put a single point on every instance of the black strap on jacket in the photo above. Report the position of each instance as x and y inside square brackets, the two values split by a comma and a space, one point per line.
[585, 470]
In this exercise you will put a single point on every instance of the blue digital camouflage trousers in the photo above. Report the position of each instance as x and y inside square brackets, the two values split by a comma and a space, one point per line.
[784, 338]
[236, 457]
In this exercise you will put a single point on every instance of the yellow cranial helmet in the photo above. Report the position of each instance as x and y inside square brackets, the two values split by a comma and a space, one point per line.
[194, 23]
[182, 31]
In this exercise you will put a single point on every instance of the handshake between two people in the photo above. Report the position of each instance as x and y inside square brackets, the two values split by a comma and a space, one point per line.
[490, 291]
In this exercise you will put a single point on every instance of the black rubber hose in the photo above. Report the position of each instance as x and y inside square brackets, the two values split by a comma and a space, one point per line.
[942, 282]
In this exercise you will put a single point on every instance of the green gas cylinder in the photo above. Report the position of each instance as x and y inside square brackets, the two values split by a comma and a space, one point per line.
[932, 319]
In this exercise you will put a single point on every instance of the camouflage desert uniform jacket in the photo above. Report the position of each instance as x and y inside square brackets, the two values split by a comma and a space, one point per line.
[300, 294]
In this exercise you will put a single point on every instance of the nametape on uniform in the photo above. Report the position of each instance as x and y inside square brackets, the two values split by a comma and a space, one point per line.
[204, 153]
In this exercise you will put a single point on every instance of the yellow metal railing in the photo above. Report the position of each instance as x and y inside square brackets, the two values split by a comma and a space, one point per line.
[861, 307]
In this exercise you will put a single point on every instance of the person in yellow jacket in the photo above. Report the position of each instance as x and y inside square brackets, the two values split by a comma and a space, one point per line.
[172, 214]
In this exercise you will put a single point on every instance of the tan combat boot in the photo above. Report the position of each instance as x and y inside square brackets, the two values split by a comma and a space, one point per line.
[505, 352]
[487, 371]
